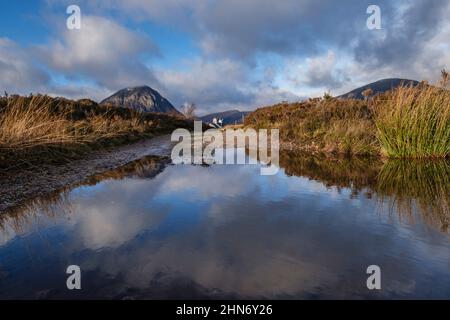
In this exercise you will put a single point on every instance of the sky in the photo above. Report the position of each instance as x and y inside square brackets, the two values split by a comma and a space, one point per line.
[219, 54]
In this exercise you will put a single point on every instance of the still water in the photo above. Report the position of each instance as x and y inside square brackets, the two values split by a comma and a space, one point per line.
[155, 230]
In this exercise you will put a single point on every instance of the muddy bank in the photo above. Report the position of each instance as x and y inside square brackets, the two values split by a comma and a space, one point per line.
[20, 185]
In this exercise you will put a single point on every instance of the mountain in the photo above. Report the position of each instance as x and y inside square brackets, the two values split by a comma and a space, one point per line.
[229, 117]
[141, 98]
[378, 87]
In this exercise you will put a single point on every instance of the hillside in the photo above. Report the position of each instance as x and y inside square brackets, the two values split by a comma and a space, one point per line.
[379, 87]
[41, 128]
[141, 99]
[407, 122]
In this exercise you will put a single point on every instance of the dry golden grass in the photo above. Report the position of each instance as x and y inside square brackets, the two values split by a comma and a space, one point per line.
[51, 127]
[25, 124]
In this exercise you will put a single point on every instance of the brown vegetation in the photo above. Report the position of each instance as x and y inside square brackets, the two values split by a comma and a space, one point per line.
[42, 127]
[327, 125]
[407, 122]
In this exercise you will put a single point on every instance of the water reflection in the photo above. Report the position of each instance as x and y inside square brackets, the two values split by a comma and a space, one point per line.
[57, 204]
[152, 230]
[421, 185]
[409, 187]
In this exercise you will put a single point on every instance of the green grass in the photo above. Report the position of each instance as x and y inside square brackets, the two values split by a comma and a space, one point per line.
[414, 122]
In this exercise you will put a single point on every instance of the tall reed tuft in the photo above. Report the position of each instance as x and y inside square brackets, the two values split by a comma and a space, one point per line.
[414, 122]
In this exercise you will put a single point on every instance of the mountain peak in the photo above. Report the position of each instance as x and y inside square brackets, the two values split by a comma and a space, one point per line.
[142, 98]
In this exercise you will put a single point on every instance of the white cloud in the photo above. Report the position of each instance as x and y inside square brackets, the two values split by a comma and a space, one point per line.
[79, 91]
[220, 85]
[99, 42]
[19, 73]
[103, 51]
[321, 71]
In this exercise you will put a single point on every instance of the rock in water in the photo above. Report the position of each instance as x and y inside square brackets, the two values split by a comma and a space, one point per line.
[141, 98]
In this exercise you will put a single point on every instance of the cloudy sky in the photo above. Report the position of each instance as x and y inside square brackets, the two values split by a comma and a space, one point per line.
[219, 54]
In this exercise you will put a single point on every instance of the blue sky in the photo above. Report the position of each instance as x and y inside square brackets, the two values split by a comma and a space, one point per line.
[219, 54]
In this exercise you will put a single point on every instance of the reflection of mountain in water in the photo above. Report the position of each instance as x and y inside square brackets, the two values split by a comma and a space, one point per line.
[145, 168]
[352, 173]
[407, 186]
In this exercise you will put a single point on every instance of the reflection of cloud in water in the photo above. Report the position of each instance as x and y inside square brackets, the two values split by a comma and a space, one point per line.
[205, 182]
[117, 212]
[120, 225]
[253, 246]
[226, 231]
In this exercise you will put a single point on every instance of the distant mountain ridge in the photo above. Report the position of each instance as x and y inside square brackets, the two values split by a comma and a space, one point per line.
[141, 98]
[378, 87]
[229, 117]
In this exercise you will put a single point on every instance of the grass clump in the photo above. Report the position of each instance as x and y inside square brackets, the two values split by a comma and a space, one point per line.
[414, 122]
